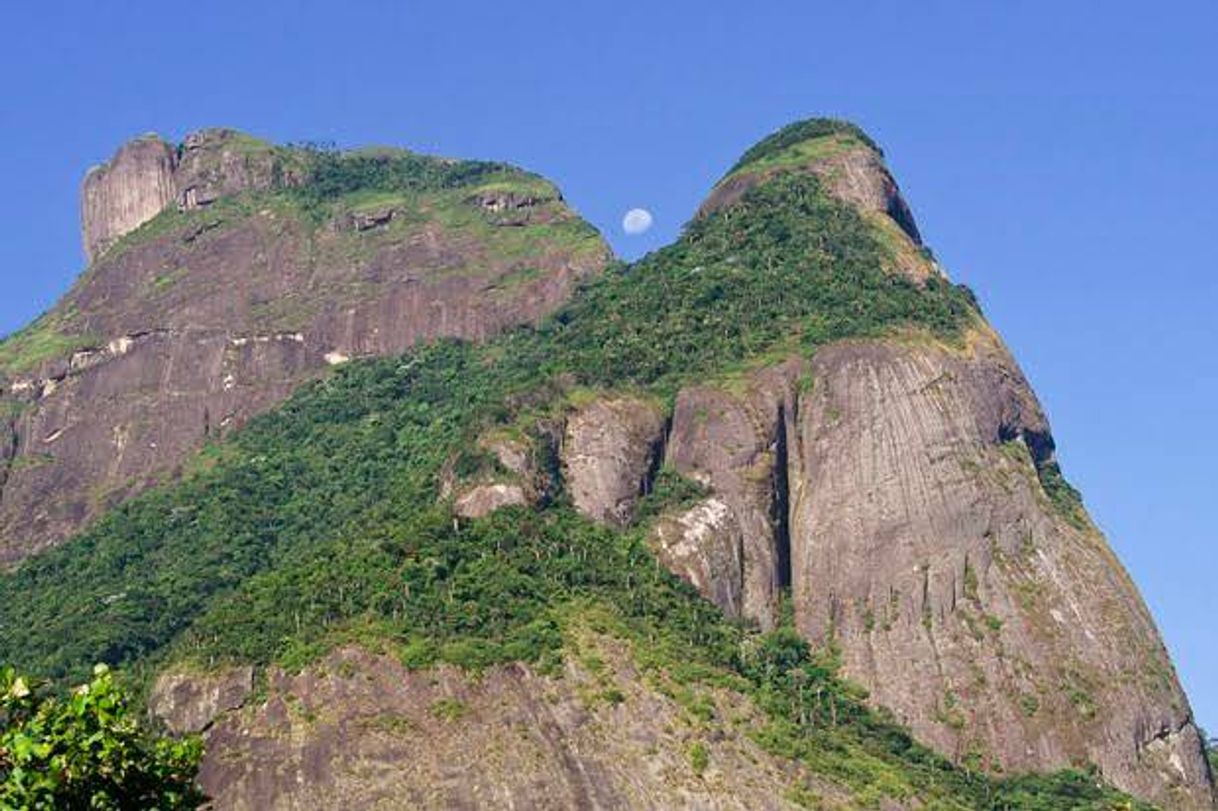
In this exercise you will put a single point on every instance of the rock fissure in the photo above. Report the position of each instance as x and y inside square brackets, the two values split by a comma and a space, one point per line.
[657, 456]
[8, 452]
[780, 509]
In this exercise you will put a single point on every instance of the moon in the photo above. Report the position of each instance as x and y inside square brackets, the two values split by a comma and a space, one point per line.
[637, 221]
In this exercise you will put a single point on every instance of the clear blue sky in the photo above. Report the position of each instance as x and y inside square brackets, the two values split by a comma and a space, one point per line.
[1060, 158]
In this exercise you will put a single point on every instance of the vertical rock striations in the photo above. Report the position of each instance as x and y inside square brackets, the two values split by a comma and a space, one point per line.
[905, 492]
[990, 616]
[128, 191]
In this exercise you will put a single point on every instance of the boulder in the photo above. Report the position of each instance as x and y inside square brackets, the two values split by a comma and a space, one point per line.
[609, 449]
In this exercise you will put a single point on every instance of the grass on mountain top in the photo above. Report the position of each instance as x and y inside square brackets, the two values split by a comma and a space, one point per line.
[810, 130]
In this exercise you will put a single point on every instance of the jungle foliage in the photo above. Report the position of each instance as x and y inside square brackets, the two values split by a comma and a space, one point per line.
[86, 750]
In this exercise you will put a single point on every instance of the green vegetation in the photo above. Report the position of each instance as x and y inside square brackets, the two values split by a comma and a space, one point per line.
[87, 751]
[1065, 499]
[801, 132]
[333, 175]
[47, 338]
[449, 709]
[320, 524]
[699, 757]
[670, 491]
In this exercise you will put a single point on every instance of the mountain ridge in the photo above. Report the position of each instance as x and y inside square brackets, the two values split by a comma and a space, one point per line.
[797, 384]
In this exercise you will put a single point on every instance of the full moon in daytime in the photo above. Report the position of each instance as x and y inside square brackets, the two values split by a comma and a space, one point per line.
[636, 221]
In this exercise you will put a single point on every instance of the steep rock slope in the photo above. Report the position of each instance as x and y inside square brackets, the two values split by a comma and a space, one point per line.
[221, 280]
[966, 589]
[907, 493]
[361, 731]
[789, 400]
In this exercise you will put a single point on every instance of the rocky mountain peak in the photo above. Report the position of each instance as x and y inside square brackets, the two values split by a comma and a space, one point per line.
[790, 409]
[220, 279]
[146, 175]
[850, 166]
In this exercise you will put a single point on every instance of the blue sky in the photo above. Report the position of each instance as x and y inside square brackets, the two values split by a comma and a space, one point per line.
[1060, 158]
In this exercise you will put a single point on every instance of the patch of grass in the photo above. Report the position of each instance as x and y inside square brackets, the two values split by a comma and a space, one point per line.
[1065, 499]
[49, 337]
[1029, 704]
[670, 491]
[449, 709]
[792, 135]
[699, 757]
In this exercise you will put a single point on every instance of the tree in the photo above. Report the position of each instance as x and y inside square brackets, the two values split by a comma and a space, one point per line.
[87, 751]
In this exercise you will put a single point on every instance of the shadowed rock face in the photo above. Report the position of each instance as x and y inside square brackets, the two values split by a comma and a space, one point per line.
[218, 314]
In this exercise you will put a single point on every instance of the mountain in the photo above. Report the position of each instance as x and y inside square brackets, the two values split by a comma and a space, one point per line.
[216, 288]
[520, 526]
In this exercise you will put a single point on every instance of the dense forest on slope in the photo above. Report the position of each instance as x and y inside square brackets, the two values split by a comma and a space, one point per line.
[322, 523]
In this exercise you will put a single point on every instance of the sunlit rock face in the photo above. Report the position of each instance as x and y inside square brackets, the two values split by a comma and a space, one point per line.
[126, 192]
[900, 490]
[608, 452]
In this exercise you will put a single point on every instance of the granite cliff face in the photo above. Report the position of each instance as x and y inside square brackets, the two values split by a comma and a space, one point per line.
[893, 496]
[906, 493]
[359, 731]
[128, 191]
[901, 491]
[230, 295]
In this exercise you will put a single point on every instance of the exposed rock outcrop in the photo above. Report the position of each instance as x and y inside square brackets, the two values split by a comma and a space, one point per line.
[704, 545]
[219, 163]
[993, 621]
[361, 731]
[609, 449]
[737, 445]
[484, 499]
[188, 702]
[128, 191]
